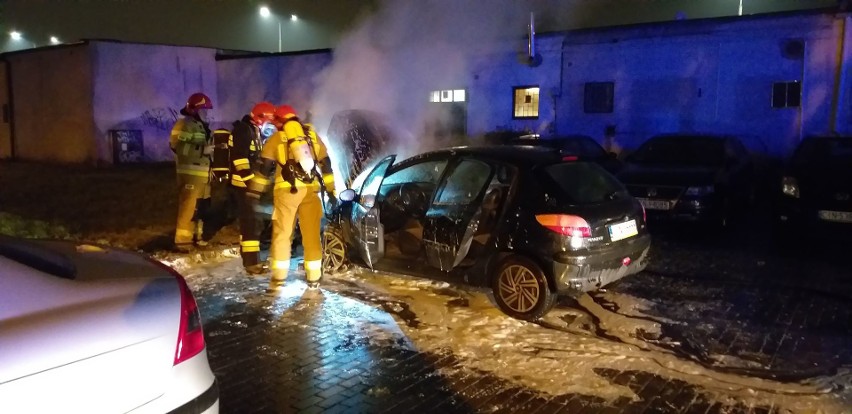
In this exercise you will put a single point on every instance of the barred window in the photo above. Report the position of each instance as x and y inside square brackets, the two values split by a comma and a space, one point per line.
[526, 102]
[598, 97]
[786, 94]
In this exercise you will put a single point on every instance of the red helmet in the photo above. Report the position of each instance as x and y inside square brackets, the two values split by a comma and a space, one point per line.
[284, 112]
[197, 101]
[262, 112]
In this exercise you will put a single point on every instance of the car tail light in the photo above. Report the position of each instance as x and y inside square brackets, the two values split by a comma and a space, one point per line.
[570, 158]
[190, 339]
[644, 213]
[190, 335]
[565, 224]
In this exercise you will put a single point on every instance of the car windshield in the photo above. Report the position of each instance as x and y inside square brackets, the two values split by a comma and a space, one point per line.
[681, 150]
[581, 183]
[833, 149]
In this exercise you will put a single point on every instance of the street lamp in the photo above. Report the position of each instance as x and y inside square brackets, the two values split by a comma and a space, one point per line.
[265, 13]
[18, 37]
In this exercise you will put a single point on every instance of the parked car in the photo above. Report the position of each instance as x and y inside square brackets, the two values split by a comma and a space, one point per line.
[581, 146]
[706, 178]
[519, 220]
[98, 330]
[816, 188]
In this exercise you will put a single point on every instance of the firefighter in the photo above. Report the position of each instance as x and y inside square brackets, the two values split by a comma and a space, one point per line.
[248, 139]
[302, 169]
[190, 141]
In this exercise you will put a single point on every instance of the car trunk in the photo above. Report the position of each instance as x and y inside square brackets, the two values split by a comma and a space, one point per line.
[105, 332]
[587, 191]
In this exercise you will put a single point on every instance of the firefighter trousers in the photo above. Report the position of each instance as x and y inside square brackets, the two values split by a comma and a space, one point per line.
[190, 189]
[305, 205]
[250, 227]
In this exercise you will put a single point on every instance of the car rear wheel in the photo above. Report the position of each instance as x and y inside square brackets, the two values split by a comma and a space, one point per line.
[521, 290]
[334, 251]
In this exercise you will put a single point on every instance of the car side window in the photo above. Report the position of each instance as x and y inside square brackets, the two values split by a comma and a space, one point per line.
[464, 183]
[424, 172]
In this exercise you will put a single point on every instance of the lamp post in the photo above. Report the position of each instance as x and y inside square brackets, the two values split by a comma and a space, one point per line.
[265, 13]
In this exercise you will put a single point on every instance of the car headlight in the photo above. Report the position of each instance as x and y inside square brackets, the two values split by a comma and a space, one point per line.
[790, 187]
[700, 190]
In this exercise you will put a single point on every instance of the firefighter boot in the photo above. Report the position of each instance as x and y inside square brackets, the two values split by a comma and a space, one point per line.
[279, 275]
[199, 231]
[313, 273]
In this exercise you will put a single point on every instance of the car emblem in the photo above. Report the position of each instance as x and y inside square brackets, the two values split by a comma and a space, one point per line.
[842, 196]
[652, 192]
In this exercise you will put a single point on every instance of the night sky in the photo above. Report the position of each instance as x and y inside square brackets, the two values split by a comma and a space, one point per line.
[236, 24]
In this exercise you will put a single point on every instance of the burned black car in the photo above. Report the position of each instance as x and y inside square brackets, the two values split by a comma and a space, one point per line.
[815, 191]
[707, 178]
[519, 220]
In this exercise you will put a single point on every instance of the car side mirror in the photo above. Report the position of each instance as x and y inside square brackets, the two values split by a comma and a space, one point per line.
[347, 195]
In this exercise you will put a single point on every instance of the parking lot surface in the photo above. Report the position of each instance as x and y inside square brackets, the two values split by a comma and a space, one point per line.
[717, 323]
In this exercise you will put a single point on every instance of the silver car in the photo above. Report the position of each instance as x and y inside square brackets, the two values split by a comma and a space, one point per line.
[90, 329]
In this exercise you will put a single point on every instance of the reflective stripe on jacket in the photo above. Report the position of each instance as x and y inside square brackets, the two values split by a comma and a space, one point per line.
[188, 139]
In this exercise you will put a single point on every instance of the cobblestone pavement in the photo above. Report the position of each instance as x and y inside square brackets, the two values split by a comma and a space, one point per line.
[731, 306]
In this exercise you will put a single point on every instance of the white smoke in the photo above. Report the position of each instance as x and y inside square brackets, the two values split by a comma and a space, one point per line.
[393, 58]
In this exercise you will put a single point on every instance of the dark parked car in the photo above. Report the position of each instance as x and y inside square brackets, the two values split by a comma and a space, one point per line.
[517, 219]
[816, 188]
[705, 178]
[582, 146]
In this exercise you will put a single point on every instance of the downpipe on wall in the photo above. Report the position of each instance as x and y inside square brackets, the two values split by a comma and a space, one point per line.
[838, 74]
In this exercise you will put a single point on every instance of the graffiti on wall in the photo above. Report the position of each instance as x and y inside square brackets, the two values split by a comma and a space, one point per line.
[160, 118]
[127, 146]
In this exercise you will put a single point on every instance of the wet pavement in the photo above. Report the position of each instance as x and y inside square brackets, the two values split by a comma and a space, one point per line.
[717, 323]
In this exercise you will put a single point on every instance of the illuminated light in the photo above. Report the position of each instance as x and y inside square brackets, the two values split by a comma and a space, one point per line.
[626, 261]
[570, 158]
[264, 12]
[293, 17]
[15, 35]
[54, 40]
[458, 95]
[790, 187]
[565, 224]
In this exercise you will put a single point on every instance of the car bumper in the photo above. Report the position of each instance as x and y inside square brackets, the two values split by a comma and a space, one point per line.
[688, 210]
[192, 389]
[574, 273]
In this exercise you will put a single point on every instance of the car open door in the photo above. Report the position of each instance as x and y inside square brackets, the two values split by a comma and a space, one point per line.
[368, 231]
[453, 217]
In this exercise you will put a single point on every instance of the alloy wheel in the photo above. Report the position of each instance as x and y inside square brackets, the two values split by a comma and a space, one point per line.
[519, 289]
[334, 252]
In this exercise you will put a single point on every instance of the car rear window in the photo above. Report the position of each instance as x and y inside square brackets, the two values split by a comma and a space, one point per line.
[37, 257]
[681, 150]
[824, 149]
[582, 183]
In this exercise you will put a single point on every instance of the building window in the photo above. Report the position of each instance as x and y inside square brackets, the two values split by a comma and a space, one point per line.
[526, 102]
[786, 94]
[598, 97]
[447, 95]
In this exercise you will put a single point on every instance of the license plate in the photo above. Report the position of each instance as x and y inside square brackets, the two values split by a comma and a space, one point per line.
[622, 231]
[655, 204]
[839, 216]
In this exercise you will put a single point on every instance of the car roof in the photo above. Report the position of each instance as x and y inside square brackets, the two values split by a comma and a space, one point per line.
[514, 154]
[699, 135]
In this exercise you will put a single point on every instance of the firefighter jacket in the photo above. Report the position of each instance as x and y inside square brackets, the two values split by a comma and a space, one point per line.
[240, 150]
[277, 152]
[188, 140]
